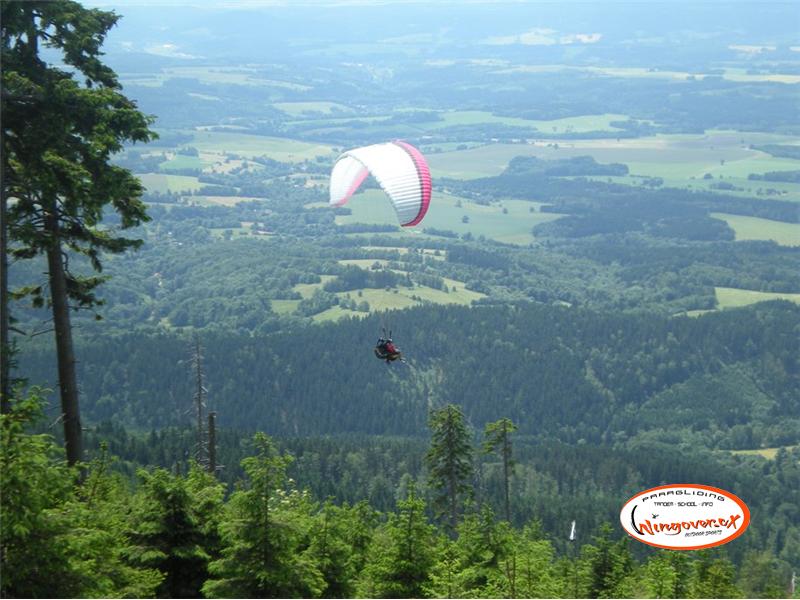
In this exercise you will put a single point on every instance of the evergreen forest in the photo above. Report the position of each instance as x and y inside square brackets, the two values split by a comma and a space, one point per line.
[604, 297]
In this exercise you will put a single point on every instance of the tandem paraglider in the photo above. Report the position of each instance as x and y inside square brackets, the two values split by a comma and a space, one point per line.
[402, 172]
[386, 350]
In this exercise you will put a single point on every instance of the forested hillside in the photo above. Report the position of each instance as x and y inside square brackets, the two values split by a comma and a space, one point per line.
[560, 373]
[181, 535]
[553, 482]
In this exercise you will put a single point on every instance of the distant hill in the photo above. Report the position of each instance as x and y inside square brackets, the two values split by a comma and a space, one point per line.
[725, 380]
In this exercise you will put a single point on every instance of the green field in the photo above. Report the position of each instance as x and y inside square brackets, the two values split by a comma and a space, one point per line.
[428, 252]
[336, 122]
[743, 76]
[307, 290]
[368, 263]
[381, 300]
[448, 147]
[212, 75]
[284, 307]
[236, 232]
[221, 200]
[579, 124]
[768, 453]
[759, 163]
[281, 149]
[300, 108]
[730, 74]
[734, 297]
[334, 313]
[743, 187]
[572, 124]
[364, 263]
[682, 159]
[182, 161]
[625, 72]
[158, 182]
[386, 131]
[513, 227]
[752, 228]
[398, 249]
[459, 292]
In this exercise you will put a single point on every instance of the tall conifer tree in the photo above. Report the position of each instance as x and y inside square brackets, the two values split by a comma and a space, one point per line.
[401, 556]
[61, 126]
[497, 438]
[449, 461]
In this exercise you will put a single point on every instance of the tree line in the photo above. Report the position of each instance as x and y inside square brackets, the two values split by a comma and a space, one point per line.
[186, 535]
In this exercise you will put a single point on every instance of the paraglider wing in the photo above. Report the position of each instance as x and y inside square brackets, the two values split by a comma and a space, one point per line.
[347, 176]
[398, 167]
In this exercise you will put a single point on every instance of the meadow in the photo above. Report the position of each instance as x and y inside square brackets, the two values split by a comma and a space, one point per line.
[676, 156]
[753, 228]
[768, 453]
[162, 183]
[401, 297]
[378, 299]
[301, 108]
[382, 123]
[731, 74]
[306, 290]
[510, 221]
[280, 149]
[734, 297]
[181, 161]
[240, 75]
[579, 124]
[219, 200]
[284, 307]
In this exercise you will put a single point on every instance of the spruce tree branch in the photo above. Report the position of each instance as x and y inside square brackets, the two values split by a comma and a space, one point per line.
[35, 333]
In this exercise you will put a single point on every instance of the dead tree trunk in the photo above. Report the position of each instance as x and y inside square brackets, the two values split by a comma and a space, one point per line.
[201, 450]
[5, 346]
[506, 471]
[212, 443]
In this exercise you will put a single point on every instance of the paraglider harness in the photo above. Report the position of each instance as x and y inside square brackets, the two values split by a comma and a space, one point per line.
[386, 350]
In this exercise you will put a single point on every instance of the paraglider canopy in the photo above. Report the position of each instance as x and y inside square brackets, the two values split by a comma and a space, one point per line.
[398, 167]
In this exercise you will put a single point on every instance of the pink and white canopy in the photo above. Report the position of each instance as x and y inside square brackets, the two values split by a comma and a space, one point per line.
[399, 168]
